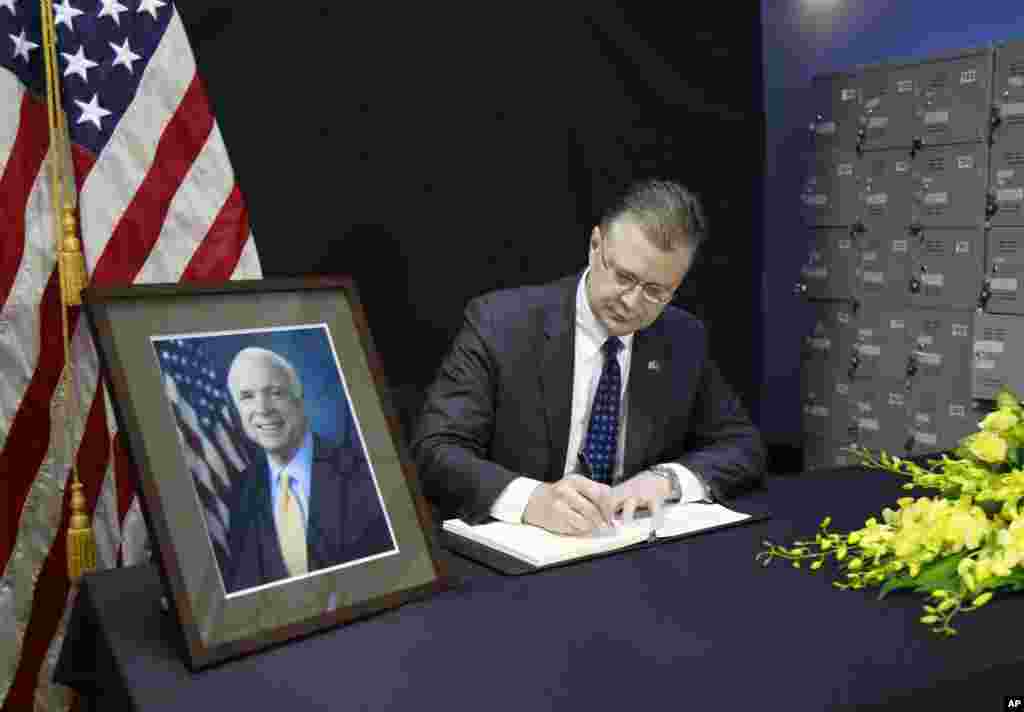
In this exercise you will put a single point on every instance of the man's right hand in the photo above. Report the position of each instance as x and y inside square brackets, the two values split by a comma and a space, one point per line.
[569, 506]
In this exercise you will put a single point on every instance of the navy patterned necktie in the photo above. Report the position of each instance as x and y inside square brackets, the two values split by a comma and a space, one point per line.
[603, 435]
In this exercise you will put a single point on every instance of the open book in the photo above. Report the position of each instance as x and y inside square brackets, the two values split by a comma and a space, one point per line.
[539, 547]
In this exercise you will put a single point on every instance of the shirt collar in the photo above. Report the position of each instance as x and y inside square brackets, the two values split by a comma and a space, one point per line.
[300, 466]
[591, 333]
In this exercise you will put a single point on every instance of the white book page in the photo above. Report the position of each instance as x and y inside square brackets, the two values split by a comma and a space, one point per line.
[688, 517]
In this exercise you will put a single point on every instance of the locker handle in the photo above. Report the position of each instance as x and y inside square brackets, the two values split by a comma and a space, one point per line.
[991, 206]
[915, 146]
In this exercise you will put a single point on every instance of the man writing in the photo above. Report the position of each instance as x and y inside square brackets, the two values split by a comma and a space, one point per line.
[567, 404]
[307, 503]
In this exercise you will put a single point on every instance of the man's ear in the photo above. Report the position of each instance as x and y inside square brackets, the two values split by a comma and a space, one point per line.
[595, 239]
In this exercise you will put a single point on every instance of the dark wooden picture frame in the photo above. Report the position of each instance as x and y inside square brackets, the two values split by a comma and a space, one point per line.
[168, 412]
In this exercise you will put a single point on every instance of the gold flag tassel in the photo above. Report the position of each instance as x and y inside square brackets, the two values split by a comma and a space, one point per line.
[81, 541]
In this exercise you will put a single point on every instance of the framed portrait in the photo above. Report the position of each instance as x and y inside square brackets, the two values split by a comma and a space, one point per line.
[272, 474]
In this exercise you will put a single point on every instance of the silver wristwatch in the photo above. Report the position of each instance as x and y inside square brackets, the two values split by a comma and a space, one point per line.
[673, 479]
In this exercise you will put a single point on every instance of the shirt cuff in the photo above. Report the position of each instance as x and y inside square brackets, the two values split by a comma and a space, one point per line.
[690, 485]
[511, 503]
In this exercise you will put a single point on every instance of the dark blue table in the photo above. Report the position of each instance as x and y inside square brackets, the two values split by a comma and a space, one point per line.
[694, 624]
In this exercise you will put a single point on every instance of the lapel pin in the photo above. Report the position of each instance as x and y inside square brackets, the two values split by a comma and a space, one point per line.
[653, 366]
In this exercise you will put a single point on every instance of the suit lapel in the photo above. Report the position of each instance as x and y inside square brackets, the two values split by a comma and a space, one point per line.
[646, 392]
[556, 373]
[325, 494]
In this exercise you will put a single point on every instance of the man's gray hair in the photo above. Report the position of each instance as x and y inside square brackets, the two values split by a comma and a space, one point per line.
[255, 353]
[669, 214]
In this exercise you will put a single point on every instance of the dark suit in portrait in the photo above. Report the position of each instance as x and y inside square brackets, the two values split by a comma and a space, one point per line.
[346, 520]
[500, 406]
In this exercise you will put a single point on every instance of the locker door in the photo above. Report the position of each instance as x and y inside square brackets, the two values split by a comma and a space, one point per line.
[1008, 95]
[998, 346]
[883, 275]
[836, 101]
[887, 178]
[889, 101]
[949, 184]
[941, 348]
[831, 191]
[946, 270]
[1005, 271]
[940, 418]
[1006, 188]
[879, 411]
[830, 269]
[954, 104]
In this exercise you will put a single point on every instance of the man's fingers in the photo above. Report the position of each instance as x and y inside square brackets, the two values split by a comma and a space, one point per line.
[587, 509]
[628, 510]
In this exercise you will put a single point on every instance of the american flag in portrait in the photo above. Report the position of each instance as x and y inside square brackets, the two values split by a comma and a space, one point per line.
[213, 446]
[157, 202]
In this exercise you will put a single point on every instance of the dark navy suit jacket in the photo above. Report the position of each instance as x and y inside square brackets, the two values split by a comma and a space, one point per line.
[501, 403]
[346, 520]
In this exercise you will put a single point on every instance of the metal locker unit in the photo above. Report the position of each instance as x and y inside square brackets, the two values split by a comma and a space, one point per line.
[824, 361]
[889, 99]
[1005, 204]
[826, 409]
[998, 349]
[949, 185]
[941, 350]
[830, 271]
[954, 99]
[886, 177]
[946, 268]
[1008, 95]
[831, 190]
[881, 347]
[836, 101]
[884, 270]
[1004, 255]
[879, 414]
[940, 418]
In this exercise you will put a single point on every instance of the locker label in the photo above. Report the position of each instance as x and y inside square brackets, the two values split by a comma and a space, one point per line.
[1003, 284]
[897, 324]
[826, 128]
[902, 166]
[821, 343]
[870, 350]
[816, 200]
[843, 317]
[1004, 174]
[878, 122]
[936, 117]
[984, 364]
[873, 277]
[868, 423]
[1010, 195]
[865, 333]
[1012, 109]
[965, 161]
[844, 169]
[922, 418]
[818, 411]
[928, 358]
[845, 244]
[899, 245]
[877, 199]
[936, 198]
[926, 438]
[934, 279]
[864, 406]
[870, 256]
[848, 94]
[872, 103]
[960, 330]
[1016, 81]
[962, 247]
[897, 399]
[989, 347]
[957, 411]
[904, 85]
[969, 76]
[843, 389]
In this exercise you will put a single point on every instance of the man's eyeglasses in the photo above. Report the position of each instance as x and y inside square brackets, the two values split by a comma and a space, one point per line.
[653, 292]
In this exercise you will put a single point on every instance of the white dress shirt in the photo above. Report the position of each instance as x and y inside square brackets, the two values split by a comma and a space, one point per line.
[587, 364]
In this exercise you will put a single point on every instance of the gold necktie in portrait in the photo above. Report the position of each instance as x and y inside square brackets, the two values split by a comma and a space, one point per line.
[291, 531]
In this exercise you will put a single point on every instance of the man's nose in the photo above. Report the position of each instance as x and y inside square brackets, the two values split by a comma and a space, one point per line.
[632, 299]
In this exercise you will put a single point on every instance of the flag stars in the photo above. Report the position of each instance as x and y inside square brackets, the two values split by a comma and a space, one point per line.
[111, 8]
[10, 5]
[22, 46]
[78, 63]
[92, 111]
[123, 55]
[64, 14]
[150, 6]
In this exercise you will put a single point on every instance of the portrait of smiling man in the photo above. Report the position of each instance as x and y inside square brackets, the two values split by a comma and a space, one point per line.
[569, 404]
[305, 503]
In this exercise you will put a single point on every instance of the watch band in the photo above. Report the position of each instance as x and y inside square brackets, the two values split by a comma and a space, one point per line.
[673, 479]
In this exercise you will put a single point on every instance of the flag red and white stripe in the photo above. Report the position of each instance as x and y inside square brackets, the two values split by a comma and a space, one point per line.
[158, 203]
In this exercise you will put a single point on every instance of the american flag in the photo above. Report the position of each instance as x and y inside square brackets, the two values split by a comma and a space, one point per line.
[158, 202]
[212, 444]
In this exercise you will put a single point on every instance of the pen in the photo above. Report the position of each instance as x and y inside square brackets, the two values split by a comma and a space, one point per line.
[584, 463]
